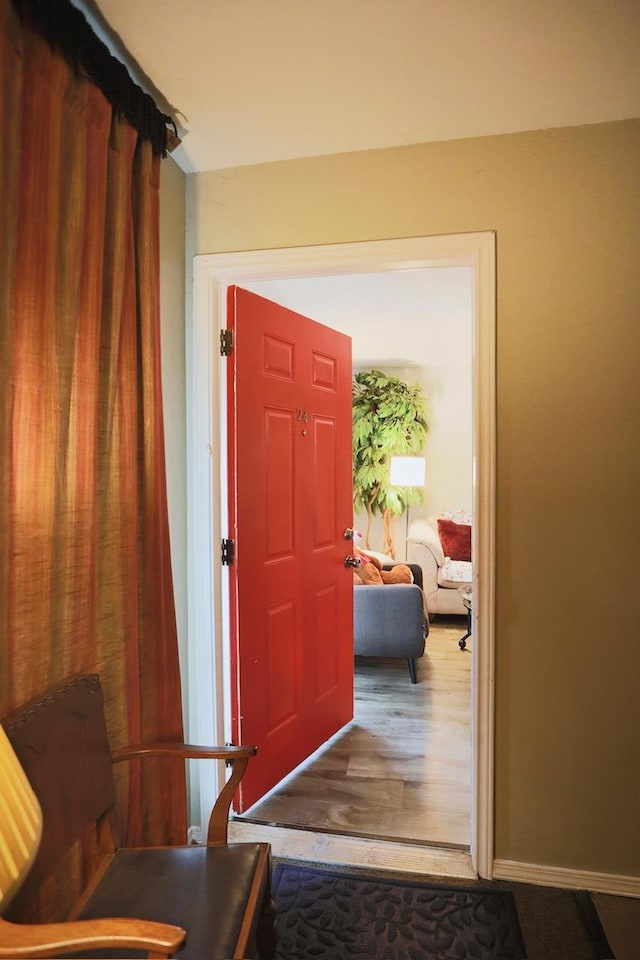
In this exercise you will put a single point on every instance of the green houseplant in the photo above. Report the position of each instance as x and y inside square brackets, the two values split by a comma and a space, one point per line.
[388, 421]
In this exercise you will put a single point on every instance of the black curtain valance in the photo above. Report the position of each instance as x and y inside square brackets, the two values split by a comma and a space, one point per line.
[67, 29]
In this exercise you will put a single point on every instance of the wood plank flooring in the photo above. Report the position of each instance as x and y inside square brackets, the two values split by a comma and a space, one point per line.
[401, 769]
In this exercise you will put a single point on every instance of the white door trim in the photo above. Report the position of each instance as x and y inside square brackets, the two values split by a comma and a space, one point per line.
[208, 680]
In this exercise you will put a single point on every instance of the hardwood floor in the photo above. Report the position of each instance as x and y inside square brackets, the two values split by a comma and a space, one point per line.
[401, 769]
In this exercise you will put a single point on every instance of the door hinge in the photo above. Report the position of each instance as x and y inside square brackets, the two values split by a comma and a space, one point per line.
[226, 343]
[228, 552]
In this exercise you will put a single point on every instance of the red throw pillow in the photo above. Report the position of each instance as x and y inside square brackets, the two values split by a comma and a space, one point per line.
[455, 539]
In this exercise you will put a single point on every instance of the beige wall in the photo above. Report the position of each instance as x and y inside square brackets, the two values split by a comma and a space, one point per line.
[172, 329]
[566, 207]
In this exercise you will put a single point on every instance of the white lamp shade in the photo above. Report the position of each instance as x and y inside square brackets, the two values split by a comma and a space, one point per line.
[407, 471]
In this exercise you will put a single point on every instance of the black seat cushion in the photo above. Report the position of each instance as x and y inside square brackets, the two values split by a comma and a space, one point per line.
[204, 890]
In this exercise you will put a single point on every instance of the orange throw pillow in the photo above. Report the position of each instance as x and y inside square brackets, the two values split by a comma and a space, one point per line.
[401, 573]
[369, 573]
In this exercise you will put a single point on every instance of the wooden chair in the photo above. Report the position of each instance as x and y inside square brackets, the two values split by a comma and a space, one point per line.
[217, 897]
[20, 835]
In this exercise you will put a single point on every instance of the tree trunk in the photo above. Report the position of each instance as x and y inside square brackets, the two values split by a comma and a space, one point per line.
[367, 536]
[388, 546]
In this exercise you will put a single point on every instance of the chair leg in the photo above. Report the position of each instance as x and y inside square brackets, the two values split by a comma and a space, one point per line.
[413, 673]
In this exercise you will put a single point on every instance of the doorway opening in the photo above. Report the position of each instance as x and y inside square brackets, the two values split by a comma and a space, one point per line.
[208, 669]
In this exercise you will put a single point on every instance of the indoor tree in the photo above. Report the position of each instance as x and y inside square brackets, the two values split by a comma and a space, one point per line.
[388, 421]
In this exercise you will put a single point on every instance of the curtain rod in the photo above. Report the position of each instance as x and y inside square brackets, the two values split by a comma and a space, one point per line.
[67, 29]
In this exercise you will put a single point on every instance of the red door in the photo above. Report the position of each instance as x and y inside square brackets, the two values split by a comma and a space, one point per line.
[289, 405]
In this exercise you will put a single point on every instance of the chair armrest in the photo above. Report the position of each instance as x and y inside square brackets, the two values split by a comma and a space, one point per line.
[236, 757]
[60, 939]
[186, 751]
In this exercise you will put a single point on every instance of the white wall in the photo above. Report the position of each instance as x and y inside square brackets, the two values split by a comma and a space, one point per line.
[417, 326]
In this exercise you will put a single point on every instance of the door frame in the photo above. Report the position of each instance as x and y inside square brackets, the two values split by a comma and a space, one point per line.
[208, 675]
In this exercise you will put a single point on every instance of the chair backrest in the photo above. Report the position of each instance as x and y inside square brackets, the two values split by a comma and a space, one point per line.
[20, 823]
[60, 739]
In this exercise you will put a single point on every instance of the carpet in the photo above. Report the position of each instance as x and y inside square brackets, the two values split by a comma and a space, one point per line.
[328, 913]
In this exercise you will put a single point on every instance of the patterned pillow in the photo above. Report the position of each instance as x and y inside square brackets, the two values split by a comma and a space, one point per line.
[458, 516]
[455, 571]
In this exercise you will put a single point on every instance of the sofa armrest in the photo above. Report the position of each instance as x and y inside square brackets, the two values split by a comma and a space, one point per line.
[389, 621]
[421, 532]
[424, 549]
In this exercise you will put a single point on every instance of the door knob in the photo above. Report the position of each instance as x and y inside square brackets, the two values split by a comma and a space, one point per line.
[348, 534]
[351, 561]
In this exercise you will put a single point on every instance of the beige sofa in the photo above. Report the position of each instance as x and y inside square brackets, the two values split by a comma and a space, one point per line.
[441, 577]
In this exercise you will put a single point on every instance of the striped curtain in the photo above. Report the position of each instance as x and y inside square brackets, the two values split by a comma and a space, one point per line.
[85, 577]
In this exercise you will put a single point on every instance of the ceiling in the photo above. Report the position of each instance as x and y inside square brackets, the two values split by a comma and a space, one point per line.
[253, 81]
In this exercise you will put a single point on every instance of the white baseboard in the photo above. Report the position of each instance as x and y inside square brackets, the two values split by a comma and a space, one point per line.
[617, 884]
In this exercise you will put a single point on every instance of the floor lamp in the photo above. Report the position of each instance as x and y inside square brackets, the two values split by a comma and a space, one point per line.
[407, 472]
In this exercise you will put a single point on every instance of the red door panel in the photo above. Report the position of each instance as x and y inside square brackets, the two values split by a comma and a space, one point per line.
[290, 502]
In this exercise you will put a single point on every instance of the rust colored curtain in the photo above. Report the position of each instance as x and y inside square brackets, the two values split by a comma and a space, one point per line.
[85, 574]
